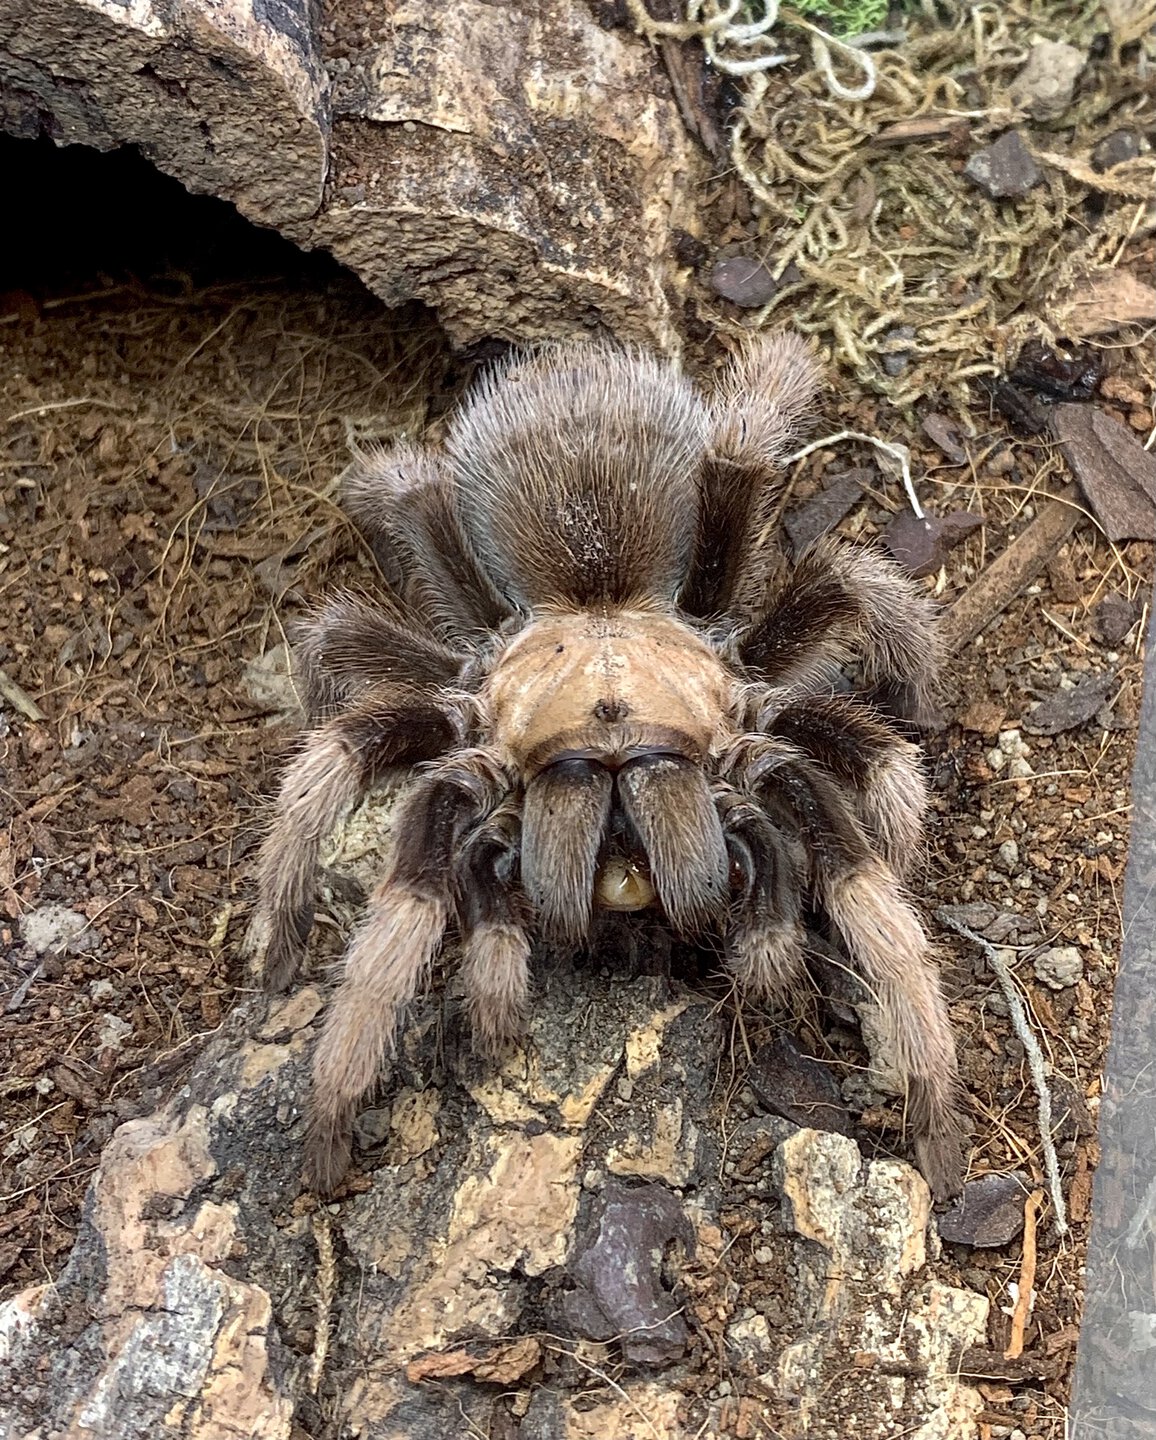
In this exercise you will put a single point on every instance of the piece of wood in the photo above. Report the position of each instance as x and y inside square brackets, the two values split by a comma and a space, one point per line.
[518, 167]
[1027, 1280]
[1013, 571]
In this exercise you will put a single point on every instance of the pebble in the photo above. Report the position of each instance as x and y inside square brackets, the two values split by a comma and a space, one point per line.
[1046, 84]
[1059, 967]
[100, 990]
[51, 927]
[1004, 170]
[1008, 856]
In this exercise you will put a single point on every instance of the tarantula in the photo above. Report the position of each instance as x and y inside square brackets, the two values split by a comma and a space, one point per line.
[610, 697]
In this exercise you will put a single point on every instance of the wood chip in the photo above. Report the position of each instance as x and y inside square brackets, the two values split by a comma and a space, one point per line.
[920, 545]
[925, 129]
[19, 699]
[1114, 470]
[1012, 572]
[1027, 1280]
[1100, 304]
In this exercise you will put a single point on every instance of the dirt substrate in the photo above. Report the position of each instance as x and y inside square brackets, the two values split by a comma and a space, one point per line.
[167, 459]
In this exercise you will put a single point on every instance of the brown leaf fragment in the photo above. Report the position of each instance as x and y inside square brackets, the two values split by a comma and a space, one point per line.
[495, 1365]
[822, 512]
[1069, 709]
[1115, 472]
[1100, 304]
[1011, 572]
[989, 1212]
[944, 433]
[798, 1087]
[921, 546]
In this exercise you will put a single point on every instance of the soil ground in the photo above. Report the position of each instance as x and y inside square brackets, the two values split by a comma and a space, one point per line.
[177, 397]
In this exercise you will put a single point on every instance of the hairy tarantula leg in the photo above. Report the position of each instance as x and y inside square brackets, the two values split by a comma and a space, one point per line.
[494, 919]
[878, 769]
[667, 800]
[886, 943]
[890, 947]
[406, 504]
[339, 763]
[761, 403]
[349, 645]
[389, 958]
[564, 820]
[845, 601]
[765, 944]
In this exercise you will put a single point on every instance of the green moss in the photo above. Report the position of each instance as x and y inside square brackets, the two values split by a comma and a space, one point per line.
[850, 17]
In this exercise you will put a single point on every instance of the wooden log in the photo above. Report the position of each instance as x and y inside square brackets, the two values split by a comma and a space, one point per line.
[517, 167]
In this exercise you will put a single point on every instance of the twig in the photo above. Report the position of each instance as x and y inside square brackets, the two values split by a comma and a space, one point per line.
[326, 1289]
[1013, 571]
[46, 405]
[1027, 1281]
[1034, 1056]
[17, 698]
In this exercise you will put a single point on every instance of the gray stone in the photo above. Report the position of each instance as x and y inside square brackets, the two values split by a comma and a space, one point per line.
[1059, 967]
[1004, 170]
[1046, 84]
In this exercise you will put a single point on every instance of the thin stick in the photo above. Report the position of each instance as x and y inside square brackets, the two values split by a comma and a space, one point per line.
[1035, 1061]
[326, 1289]
[1015, 1345]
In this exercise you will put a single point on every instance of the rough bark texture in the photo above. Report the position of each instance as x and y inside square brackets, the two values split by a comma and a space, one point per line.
[517, 1236]
[516, 166]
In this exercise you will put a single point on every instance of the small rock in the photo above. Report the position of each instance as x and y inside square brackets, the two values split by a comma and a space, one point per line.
[111, 1034]
[1059, 967]
[989, 1212]
[1008, 857]
[268, 681]
[1004, 170]
[618, 1291]
[1011, 742]
[1046, 84]
[101, 990]
[984, 717]
[976, 916]
[1114, 149]
[1113, 617]
[51, 928]
[897, 360]
[744, 281]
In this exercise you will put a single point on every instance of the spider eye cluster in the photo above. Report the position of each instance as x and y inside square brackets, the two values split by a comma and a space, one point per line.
[611, 693]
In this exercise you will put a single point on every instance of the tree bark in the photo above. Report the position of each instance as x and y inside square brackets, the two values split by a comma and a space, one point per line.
[516, 166]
